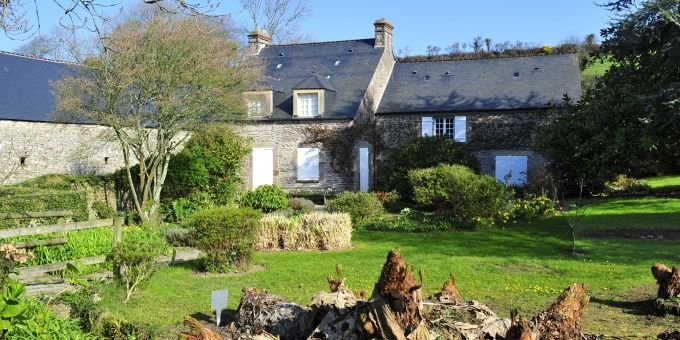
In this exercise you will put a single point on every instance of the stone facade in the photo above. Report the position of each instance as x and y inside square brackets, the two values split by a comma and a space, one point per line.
[32, 149]
[489, 134]
[284, 137]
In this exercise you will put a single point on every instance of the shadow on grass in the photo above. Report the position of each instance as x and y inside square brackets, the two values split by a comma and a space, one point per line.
[641, 307]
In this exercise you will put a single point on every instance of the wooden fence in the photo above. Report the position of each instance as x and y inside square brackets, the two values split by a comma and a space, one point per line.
[60, 228]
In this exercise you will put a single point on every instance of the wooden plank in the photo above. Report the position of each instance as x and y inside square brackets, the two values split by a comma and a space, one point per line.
[36, 214]
[38, 243]
[27, 273]
[56, 228]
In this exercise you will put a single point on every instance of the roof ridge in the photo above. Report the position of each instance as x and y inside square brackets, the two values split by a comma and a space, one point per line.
[485, 58]
[28, 56]
[320, 42]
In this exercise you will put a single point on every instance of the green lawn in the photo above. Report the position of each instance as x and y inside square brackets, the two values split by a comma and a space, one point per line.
[522, 267]
[663, 182]
[598, 68]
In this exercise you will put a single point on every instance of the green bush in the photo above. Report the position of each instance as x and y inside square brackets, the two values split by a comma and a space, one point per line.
[182, 208]
[210, 163]
[136, 257]
[179, 237]
[359, 205]
[21, 199]
[266, 198]
[420, 153]
[301, 205]
[225, 236]
[456, 191]
[624, 185]
[529, 208]
[103, 210]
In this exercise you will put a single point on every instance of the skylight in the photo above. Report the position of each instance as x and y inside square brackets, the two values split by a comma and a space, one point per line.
[414, 72]
[281, 54]
[427, 77]
[279, 65]
[351, 50]
[536, 69]
[337, 62]
[447, 73]
[515, 75]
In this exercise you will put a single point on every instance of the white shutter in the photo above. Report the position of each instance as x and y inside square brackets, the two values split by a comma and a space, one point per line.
[263, 167]
[511, 168]
[460, 128]
[363, 169]
[426, 126]
[308, 164]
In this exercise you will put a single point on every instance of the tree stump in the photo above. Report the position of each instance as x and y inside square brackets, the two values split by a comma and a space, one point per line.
[668, 280]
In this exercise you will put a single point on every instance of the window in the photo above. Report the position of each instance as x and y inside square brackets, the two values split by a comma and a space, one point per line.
[22, 160]
[511, 170]
[255, 107]
[308, 105]
[453, 128]
[308, 164]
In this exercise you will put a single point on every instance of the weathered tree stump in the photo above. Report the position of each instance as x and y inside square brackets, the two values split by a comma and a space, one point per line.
[668, 280]
[263, 312]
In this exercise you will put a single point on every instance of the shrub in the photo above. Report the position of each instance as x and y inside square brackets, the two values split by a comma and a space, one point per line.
[391, 200]
[623, 185]
[225, 236]
[266, 198]
[103, 210]
[179, 237]
[20, 199]
[301, 205]
[315, 231]
[210, 163]
[419, 153]
[135, 258]
[411, 221]
[531, 207]
[457, 191]
[182, 208]
[359, 205]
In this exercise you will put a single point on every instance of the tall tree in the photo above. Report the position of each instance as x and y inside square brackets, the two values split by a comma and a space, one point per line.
[158, 79]
[629, 121]
[280, 18]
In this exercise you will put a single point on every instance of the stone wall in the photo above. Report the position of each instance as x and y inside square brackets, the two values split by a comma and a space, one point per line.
[48, 148]
[489, 134]
[285, 137]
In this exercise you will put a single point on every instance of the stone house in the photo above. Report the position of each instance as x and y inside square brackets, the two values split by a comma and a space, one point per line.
[356, 89]
[325, 116]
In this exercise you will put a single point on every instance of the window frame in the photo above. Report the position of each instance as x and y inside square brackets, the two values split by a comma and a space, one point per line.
[446, 126]
[266, 98]
[304, 151]
[319, 100]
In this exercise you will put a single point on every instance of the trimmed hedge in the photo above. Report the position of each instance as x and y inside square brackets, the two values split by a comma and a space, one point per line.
[20, 199]
[359, 205]
[266, 198]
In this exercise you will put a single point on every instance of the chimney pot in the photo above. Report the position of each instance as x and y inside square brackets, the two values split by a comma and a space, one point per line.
[383, 33]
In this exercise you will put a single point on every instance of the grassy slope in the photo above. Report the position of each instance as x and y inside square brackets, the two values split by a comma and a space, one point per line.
[520, 267]
[596, 69]
[663, 182]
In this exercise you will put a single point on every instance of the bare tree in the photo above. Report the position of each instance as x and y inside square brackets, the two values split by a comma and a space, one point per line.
[477, 44]
[20, 19]
[280, 18]
[572, 213]
[158, 79]
[59, 44]
[454, 48]
[487, 43]
[404, 52]
[433, 50]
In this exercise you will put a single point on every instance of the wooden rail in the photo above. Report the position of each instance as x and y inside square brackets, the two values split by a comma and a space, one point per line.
[56, 228]
[38, 214]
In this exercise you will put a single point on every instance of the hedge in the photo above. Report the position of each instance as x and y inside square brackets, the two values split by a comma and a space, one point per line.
[20, 199]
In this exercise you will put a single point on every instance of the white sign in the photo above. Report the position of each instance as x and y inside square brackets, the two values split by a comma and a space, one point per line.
[218, 302]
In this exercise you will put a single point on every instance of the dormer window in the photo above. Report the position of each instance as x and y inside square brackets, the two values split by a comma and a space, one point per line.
[308, 104]
[259, 103]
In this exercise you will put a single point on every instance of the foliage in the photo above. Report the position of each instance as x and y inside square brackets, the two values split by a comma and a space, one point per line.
[266, 198]
[135, 258]
[457, 191]
[359, 205]
[623, 184]
[103, 210]
[179, 237]
[301, 205]
[10, 259]
[81, 244]
[210, 163]
[412, 221]
[529, 208]
[627, 122]
[42, 323]
[391, 200]
[20, 199]
[420, 153]
[183, 207]
[225, 236]
[314, 231]
[13, 308]
[166, 72]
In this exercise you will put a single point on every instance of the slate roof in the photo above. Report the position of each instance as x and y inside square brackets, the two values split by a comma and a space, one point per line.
[350, 65]
[25, 90]
[485, 84]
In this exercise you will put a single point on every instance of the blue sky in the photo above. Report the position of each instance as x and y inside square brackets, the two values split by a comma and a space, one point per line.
[419, 23]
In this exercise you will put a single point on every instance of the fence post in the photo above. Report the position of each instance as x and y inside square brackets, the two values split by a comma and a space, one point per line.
[117, 238]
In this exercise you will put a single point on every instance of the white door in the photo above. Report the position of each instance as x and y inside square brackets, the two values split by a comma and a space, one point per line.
[363, 169]
[511, 169]
[263, 166]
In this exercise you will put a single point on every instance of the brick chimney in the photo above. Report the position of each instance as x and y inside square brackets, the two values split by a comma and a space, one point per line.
[257, 40]
[383, 33]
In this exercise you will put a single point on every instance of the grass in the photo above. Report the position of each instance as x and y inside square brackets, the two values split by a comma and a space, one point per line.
[598, 68]
[663, 182]
[523, 266]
